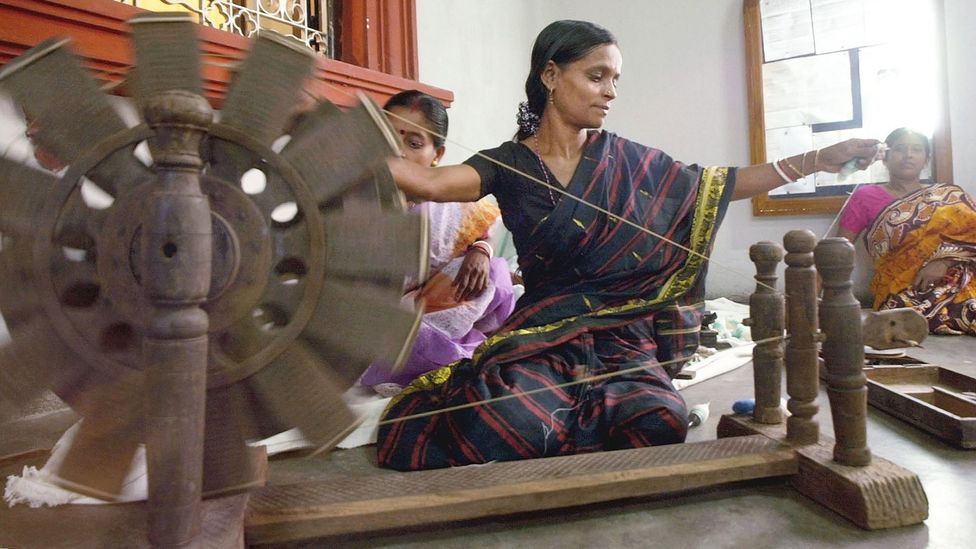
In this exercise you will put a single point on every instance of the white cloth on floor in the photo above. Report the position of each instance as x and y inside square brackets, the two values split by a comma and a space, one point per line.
[37, 487]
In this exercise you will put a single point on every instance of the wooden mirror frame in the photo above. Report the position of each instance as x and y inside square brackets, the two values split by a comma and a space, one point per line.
[763, 205]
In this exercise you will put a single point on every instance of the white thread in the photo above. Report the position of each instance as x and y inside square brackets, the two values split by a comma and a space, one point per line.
[840, 212]
[598, 377]
[566, 193]
[548, 430]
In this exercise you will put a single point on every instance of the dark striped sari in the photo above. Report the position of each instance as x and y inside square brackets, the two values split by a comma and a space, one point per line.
[601, 297]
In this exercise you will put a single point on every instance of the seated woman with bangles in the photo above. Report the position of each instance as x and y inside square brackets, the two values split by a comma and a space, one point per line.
[921, 237]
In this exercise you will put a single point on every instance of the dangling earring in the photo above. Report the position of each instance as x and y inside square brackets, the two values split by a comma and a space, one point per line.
[552, 96]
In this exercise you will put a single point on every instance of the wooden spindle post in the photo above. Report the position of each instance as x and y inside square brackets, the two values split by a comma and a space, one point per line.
[843, 349]
[176, 257]
[802, 381]
[766, 321]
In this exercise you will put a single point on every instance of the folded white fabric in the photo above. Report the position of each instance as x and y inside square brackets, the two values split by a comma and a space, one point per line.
[37, 488]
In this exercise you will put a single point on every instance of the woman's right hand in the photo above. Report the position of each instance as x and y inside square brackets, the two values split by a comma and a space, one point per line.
[931, 274]
[832, 159]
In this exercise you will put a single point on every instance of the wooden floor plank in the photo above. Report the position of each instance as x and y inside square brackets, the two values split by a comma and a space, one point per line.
[366, 504]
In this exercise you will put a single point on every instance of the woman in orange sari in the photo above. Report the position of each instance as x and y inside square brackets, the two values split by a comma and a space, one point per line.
[922, 239]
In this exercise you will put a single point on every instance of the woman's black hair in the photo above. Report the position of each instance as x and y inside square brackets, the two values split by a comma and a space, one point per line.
[901, 132]
[434, 111]
[561, 42]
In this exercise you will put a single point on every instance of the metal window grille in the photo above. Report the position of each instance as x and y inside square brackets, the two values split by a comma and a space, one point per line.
[310, 22]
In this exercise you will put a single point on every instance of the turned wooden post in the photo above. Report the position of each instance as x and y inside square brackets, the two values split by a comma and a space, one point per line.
[802, 381]
[766, 321]
[176, 255]
[843, 349]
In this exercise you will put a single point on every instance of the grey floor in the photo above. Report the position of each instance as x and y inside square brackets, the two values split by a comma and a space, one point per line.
[756, 515]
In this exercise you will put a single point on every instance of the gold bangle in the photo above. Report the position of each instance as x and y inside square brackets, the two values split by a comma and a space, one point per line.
[803, 162]
[816, 158]
[799, 174]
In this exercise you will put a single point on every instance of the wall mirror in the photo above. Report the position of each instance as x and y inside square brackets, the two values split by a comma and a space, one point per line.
[821, 71]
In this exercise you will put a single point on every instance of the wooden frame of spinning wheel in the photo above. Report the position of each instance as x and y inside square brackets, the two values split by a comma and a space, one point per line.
[871, 492]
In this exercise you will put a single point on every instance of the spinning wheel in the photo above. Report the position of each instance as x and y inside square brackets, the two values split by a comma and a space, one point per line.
[299, 274]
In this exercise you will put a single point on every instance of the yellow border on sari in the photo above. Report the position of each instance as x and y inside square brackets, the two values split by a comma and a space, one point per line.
[707, 203]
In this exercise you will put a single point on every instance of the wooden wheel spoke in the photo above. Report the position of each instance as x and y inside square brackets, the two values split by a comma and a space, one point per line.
[247, 336]
[100, 455]
[262, 96]
[71, 113]
[23, 190]
[377, 246]
[335, 153]
[229, 465]
[378, 191]
[166, 55]
[300, 391]
[34, 359]
[274, 71]
[356, 324]
[18, 299]
[73, 230]
[18, 382]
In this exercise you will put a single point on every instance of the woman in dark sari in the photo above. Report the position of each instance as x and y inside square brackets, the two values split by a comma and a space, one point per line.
[602, 296]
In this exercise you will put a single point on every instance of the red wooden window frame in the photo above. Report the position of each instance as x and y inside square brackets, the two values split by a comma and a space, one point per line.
[379, 38]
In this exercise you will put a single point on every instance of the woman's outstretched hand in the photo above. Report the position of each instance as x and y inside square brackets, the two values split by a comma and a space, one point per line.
[865, 151]
[472, 276]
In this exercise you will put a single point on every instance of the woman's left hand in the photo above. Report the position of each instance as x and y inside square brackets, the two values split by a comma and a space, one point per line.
[931, 275]
[472, 277]
[832, 159]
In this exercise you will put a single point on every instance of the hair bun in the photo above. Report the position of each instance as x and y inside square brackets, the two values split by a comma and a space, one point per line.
[528, 121]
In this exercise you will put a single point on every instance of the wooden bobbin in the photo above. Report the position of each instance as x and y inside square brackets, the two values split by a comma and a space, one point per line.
[766, 321]
[843, 351]
[802, 382]
[176, 263]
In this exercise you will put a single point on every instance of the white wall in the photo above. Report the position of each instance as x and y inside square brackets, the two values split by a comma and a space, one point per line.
[960, 16]
[683, 90]
[479, 49]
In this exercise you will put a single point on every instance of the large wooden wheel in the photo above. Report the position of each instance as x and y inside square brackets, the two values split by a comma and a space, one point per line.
[307, 264]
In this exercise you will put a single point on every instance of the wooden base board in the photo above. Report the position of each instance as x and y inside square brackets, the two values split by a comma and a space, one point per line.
[879, 495]
[383, 502]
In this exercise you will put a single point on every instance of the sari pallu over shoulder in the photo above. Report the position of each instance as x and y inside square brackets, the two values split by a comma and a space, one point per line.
[582, 261]
[597, 272]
